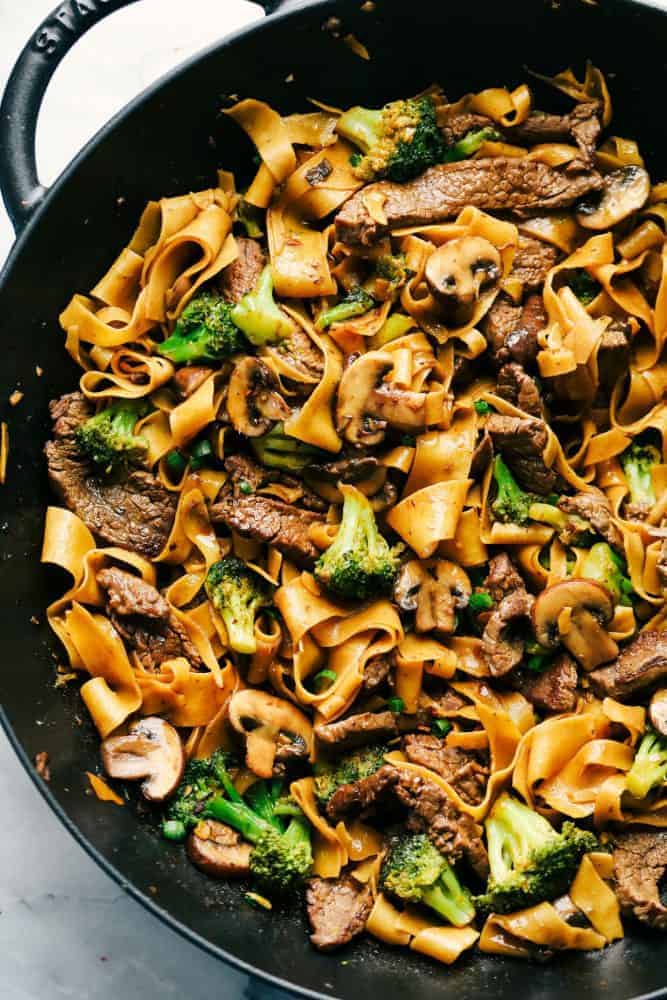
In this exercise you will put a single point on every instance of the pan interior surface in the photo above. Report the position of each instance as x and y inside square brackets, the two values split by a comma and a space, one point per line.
[171, 141]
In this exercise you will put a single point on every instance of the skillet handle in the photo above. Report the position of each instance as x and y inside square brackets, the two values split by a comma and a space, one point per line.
[19, 183]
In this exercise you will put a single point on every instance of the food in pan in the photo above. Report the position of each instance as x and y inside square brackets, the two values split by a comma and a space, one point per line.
[363, 494]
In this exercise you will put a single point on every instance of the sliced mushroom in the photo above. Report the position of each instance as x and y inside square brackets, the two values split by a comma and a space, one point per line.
[657, 712]
[152, 750]
[434, 589]
[254, 402]
[458, 272]
[218, 851]
[625, 191]
[261, 718]
[360, 379]
[574, 613]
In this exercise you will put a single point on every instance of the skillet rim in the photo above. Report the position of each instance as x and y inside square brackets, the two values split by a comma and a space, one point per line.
[23, 236]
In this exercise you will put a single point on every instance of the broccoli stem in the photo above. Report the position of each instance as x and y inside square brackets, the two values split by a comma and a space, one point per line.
[261, 799]
[514, 832]
[259, 316]
[448, 898]
[511, 503]
[649, 768]
[240, 817]
[362, 126]
[638, 462]
[356, 303]
[470, 143]
[182, 350]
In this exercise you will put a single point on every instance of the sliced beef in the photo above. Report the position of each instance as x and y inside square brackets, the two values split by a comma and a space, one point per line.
[142, 616]
[303, 354]
[350, 469]
[640, 864]
[338, 909]
[522, 442]
[495, 184]
[246, 475]
[595, 509]
[613, 354]
[466, 770]
[241, 276]
[218, 851]
[133, 511]
[449, 702]
[457, 125]
[503, 577]
[520, 389]
[555, 689]
[187, 380]
[640, 666]
[481, 456]
[532, 262]
[582, 125]
[511, 331]
[503, 641]
[376, 671]
[357, 730]
[272, 521]
[363, 796]
[432, 812]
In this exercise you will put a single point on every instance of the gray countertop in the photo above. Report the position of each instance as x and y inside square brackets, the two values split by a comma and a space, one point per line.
[67, 930]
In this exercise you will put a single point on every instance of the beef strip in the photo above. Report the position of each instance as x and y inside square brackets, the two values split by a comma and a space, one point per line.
[247, 476]
[640, 863]
[582, 125]
[522, 441]
[613, 354]
[302, 353]
[432, 812]
[481, 456]
[187, 380]
[449, 702]
[511, 331]
[457, 125]
[519, 389]
[595, 509]
[376, 671]
[241, 276]
[503, 577]
[494, 184]
[502, 643]
[466, 770]
[357, 730]
[555, 689]
[349, 469]
[142, 616]
[272, 521]
[338, 909]
[639, 666]
[363, 796]
[532, 261]
[133, 510]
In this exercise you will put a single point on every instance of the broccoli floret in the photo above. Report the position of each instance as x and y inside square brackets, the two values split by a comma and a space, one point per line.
[416, 872]
[280, 861]
[108, 438]
[584, 287]
[637, 462]
[359, 563]
[259, 316]
[389, 276]
[357, 302]
[202, 779]
[649, 768]
[351, 767]
[511, 503]
[237, 594]
[250, 218]
[530, 862]
[470, 143]
[399, 141]
[278, 451]
[205, 331]
[605, 566]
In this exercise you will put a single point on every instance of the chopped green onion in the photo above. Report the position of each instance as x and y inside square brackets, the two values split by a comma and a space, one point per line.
[482, 407]
[538, 662]
[173, 829]
[324, 679]
[407, 440]
[201, 450]
[355, 159]
[480, 601]
[176, 463]
[246, 487]
[440, 727]
[396, 705]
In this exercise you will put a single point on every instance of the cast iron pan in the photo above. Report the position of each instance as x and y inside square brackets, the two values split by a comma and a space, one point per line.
[159, 145]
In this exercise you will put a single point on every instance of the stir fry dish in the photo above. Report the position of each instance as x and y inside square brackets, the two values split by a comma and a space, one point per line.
[363, 496]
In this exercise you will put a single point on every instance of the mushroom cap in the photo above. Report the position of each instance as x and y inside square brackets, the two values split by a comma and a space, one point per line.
[573, 612]
[218, 851]
[408, 583]
[657, 712]
[460, 270]
[152, 750]
[356, 386]
[625, 191]
[261, 717]
[254, 402]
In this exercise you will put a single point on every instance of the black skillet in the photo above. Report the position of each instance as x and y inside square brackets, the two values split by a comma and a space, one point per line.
[159, 145]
